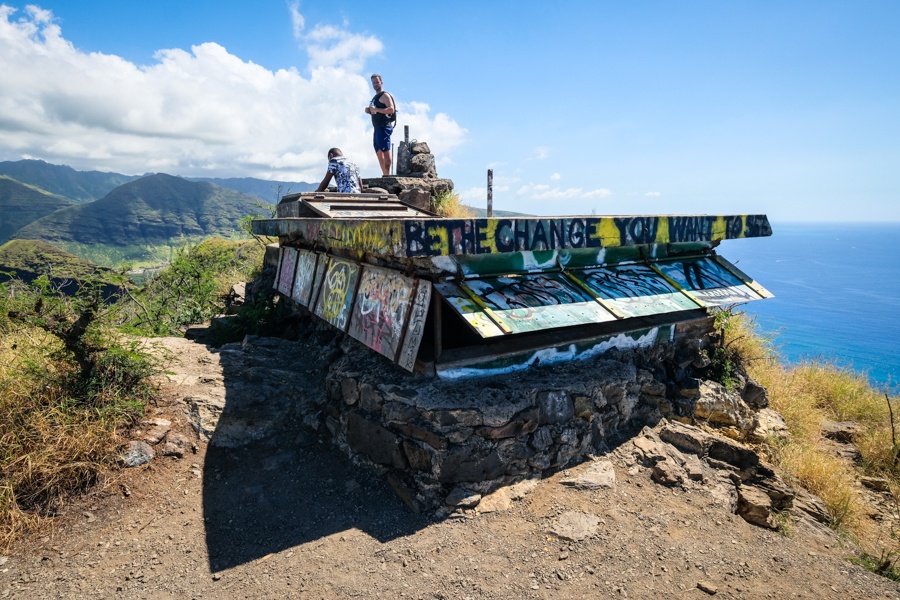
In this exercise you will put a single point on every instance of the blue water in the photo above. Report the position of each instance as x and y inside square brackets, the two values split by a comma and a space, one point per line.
[837, 293]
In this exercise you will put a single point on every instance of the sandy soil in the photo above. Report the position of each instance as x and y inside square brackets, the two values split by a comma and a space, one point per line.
[287, 516]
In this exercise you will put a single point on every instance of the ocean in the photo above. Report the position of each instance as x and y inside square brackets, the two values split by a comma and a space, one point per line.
[837, 293]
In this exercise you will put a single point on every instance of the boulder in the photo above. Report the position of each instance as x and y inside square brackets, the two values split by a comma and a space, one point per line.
[155, 429]
[418, 197]
[879, 484]
[175, 445]
[755, 507]
[768, 424]
[667, 473]
[840, 431]
[401, 165]
[423, 163]
[137, 453]
[462, 497]
[723, 408]
[755, 395]
[597, 475]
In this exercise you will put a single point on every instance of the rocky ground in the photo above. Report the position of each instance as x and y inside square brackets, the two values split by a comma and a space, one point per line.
[258, 506]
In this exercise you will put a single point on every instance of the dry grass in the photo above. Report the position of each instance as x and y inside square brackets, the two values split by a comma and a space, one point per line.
[51, 446]
[806, 395]
[448, 204]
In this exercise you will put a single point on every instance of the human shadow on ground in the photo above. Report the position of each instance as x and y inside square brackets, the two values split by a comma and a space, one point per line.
[270, 482]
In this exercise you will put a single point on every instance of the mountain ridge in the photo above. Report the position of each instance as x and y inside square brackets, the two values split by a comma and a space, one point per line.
[22, 203]
[151, 210]
[62, 180]
[87, 186]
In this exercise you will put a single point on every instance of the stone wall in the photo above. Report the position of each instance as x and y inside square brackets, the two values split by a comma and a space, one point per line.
[437, 439]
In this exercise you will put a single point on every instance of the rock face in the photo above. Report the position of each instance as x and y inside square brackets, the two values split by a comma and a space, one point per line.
[412, 190]
[691, 453]
[416, 181]
[414, 159]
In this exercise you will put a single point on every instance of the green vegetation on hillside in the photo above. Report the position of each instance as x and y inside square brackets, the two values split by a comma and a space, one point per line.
[192, 288]
[31, 258]
[143, 220]
[69, 383]
[263, 190]
[20, 204]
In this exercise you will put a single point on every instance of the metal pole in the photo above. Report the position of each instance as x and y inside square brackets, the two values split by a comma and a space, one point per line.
[490, 193]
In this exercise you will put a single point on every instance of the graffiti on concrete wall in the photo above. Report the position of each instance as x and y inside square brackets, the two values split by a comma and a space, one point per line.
[379, 307]
[472, 313]
[415, 325]
[286, 270]
[387, 311]
[278, 269]
[635, 290]
[537, 301]
[496, 306]
[379, 313]
[379, 236]
[709, 281]
[303, 280]
[337, 289]
[506, 293]
[439, 237]
[567, 352]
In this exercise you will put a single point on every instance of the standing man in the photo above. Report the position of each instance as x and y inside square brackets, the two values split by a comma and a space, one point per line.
[345, 173]
[384, 117]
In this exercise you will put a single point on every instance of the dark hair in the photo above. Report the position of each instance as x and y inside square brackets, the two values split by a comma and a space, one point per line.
[374, 75]
[335, 152]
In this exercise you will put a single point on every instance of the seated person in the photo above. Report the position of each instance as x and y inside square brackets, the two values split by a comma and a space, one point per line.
[345, 173]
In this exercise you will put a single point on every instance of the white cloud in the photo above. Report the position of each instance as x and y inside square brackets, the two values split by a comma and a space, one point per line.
[441, 132]
[297, 20]
[201, 111]
[541, 152]
[533, 191]
[653, 194]
[475, 196]
[329, 46]
[556, 177]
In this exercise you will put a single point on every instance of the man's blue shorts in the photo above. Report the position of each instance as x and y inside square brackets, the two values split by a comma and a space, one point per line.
[383, 138]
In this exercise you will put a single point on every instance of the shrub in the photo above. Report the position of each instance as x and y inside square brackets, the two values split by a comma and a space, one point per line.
[66, 386]
[192, 288]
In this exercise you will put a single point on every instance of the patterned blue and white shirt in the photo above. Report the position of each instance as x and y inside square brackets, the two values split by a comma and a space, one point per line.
[346, 174]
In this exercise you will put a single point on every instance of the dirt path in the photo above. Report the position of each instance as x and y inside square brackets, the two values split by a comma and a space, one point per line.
[285, 516]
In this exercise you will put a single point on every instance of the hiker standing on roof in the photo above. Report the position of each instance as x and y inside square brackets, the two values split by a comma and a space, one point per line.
[345, 173]
[384, 117]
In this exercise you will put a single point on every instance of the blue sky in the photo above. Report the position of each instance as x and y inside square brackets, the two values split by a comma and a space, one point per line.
[789, 109]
